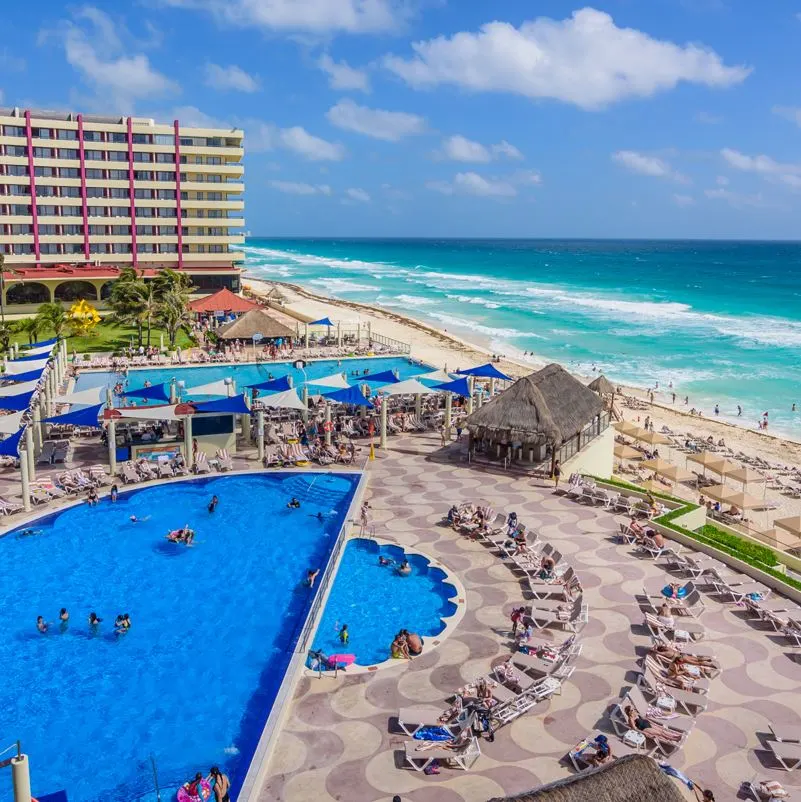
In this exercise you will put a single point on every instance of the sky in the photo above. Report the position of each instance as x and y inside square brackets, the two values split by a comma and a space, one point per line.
[454, 118]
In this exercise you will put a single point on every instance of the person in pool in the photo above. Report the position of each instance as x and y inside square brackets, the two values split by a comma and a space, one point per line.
[414, 642]
[114, 491]
[135, 520]
[41, 624]
[384, 561]
[311, 576]
[213, 503]
[220, 783]
[94, 621]
[293, 504]
[344, 635]
[119, 628]
[64, 617]
[404, 569]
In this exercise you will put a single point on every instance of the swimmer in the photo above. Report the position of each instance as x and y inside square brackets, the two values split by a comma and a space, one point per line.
[293, 504]
[213, 503]
[29, 532]
[189, 536]
[135, 520]
[404, 569]
[119, 628]
[311, 575]
[64, 617]
[94, 621]
[344, 635]
[384, 561]
[114, 492]
[41, 625]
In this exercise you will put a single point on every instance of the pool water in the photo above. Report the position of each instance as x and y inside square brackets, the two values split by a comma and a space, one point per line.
[253, 373]
[213, 628]
[376, 602]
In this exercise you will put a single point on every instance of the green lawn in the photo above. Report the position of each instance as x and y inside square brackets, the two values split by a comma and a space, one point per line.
[108, 337]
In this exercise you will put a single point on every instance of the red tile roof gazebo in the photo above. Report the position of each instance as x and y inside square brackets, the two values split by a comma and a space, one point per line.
[222, 301]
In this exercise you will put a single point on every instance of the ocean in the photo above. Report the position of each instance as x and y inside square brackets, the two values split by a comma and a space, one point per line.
[719, 322]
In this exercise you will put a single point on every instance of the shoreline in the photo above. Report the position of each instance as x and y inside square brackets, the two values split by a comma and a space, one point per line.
[432, 343]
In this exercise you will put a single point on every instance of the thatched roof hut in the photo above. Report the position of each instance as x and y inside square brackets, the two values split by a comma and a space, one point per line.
[254, 322]
[633, 778]
[549, 406]
[602, 386]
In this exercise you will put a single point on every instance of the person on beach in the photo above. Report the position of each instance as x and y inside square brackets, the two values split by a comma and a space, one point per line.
[557, 472]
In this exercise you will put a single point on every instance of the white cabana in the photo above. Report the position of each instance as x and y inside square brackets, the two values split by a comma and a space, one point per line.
[166, 412]
[94, 395]
[439, 376]
[288, 399]
[407, 387]
[12, 368]
[212, 388]
[336, 380]
[9, 424]
[22, 387]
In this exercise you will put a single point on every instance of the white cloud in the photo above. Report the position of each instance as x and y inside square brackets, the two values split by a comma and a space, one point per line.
[683, 200]
[765, 166]
[444, 187]
[791, 113]
[735, 199]
[391, 126]
[311, 147]
[471, 183]
[317, 16]
[526, 177]
[97, 53]
[230, 78]
[647, 165]
[193, 117]
[300, 188]
[358, 195]
[459, 148]
[342, 76]
[708, 119]
[585, 60]
[722, 181]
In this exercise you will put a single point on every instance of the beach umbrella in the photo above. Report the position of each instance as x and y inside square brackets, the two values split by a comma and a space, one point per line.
[625, 427]
[669, 470]
[627, 452]
[745, 501]
[719, 493]
[791, 524]
[712, 462]
[652, 438]
[746, 475]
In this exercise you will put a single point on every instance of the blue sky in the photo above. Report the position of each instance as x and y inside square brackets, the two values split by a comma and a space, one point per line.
[624, 118]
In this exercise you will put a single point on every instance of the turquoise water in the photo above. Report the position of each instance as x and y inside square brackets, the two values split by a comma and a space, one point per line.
[253, 373]
[376, 602]
[721, 321]
[213, 628]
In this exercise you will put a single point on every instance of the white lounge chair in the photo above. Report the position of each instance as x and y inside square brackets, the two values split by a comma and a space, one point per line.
[421, 754]
[202, 463]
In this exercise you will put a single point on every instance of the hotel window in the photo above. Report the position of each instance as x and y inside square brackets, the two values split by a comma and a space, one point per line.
[165, 194]
[97, 249]
[168, 231]
[165, 176]
[23, 249]
[120, 247]
[97, 211]
[118, 175]
[213, 160]
[213, 196]
[70, 192]
[121, 231]
[65, 153]
[214, 179]
[16, 150]
[73, 247]
[44, 172]
[146, 247]
[214, 142]
[44, 153]
[92, 136]
[119, 138]
[17, 169]
[187, 141]
[119, 192]
[143, 194]
[163, 139]
[14, 130]
[49, 249]
[65, 172]
[65, 134]
[45, 191]
[120, 211]
[41, 133]
[19, 209]
[21, 228]
[95, 192]
[165, 158]
[215, 213]
[145, 231]
[49, 228]
[144, 211]
[95, 230]
[94, 174]
[165, 212]
[140, 139]
[143, 175]
[48, 211]
[169, 248]
[94, 155]
[142, 157]
[72, 230]
[117, 156]
[19, 189]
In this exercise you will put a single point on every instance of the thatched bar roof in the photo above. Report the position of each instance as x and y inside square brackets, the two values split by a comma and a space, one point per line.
[602, 386]
[254, 322]
[549, 406]
[633, 778]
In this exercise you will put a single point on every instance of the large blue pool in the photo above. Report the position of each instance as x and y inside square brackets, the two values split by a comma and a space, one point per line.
[253, 373]
[376, 602]
[213, 628]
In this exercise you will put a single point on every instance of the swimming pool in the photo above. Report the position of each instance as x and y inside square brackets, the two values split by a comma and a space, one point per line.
[376, 602]
[213, 629]
[252, 373]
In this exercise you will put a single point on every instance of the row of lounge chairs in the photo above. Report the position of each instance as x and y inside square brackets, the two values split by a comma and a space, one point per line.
[585, 491]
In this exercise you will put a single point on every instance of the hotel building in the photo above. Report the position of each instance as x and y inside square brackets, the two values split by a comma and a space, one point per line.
[82, 196]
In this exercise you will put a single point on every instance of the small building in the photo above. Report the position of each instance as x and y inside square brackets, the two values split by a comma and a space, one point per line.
[221, 305]
[255, 325]
[546, 416]
[633, 778]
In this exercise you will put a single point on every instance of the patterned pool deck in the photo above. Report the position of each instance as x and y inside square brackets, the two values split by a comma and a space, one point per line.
[339, 743]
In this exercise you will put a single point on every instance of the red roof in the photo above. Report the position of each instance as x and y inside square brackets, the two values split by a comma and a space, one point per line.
[222, 301]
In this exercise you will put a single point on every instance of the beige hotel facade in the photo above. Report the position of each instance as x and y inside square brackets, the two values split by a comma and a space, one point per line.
[82, 196]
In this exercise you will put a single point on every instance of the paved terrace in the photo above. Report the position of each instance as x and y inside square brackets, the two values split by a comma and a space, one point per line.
[339, 741]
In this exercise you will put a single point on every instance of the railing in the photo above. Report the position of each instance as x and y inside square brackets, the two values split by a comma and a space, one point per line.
[395, 345]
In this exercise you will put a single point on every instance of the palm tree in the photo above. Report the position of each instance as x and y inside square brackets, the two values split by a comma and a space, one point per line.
[6, 332]
[174, 314]
[53, 317]
[127, 294]
[168, 280]
[30, 326]
[149, 306]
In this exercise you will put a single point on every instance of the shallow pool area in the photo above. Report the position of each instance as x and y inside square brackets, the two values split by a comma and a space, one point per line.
[214, 626]
[253, 373]
[375, 601]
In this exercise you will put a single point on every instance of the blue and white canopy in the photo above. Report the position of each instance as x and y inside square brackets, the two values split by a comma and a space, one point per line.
[323, 321]
[11, 422]
[30, 375]
[93, 395]
[16, 402]
[288, 399]
[407, 387]
[10, 446]
[273, 385]
[385, 377]
[16, 389]
[158, 392]
[232, 406]
[488, 371]
[87, 416]
[220, 387]
[348, 395]
[334, 380]
[24, 365]
[458, 386]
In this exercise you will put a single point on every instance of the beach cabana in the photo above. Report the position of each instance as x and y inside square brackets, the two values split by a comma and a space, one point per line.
[221, 303]
[631, 778]
[548, 414]
[712, 462]
[626, 427]
[255, 325]
[791, 524]
[719, 493]
[670, 471]
[624, 452]
[602, 386]
[652, 438]
[745, 475]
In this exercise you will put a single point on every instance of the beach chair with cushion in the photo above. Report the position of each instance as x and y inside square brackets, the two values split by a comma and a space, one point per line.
[202, 463]
[737, 593]
[788, 753]
[679, 724]
[686, 701]
[765, 790]
[413, 719]
[46, 455]
[129, 474]
[579, 754]
[164, 468]
[537, 693]
[421, 754]
[790, 733]
[39, 495]
[97, 473]
[10, 506]
[224, 460]
[680, 630]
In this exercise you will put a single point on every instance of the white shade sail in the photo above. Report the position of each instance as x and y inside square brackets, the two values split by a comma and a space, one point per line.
[42, 349]
[94, 395]
[12, 368]
[166, 412]
[334, 380]
[212, 388]
[9, 424]
[407, 387]
[22, 387]
[288, 399]
[436, 376]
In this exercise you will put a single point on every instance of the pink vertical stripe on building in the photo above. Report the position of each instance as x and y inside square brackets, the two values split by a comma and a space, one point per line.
[178, 194]
[32, 178]
[134, 259]
[84, 207]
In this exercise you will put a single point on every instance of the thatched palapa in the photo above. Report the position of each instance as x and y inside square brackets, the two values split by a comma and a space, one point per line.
[252, 323]
[602, 386]
[633, 778]
[549, 406]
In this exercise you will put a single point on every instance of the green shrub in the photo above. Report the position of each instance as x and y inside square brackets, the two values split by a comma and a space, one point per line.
[760, 553]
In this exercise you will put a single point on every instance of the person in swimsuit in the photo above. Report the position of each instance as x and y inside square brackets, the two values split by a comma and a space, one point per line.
[94, 622]
[220, 784]
[404, 569]
[344, 635]
[213, 503]
[114, 491]
[64, 617]
[651, 728]
[41, 624]
[311, 575]
[414, 642]
[294, 504]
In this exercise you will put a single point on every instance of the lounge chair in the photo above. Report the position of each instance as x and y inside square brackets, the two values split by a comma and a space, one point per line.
[10, 506]
[129, 474]
[687, 701]
[787, 753]
[572, 619]
[202, 463]
[421, 754]
[679, 724]
[224, 460]
[164, 468]
[621, 749]
[679, 630]
[790, 733]
[737, 593]
[764, 790]
[413, 719]
[538, 692]
[39, 495]
[98, 474]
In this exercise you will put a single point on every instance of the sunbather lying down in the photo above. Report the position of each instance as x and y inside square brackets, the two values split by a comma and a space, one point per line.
[652, 729]
[459, 742]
